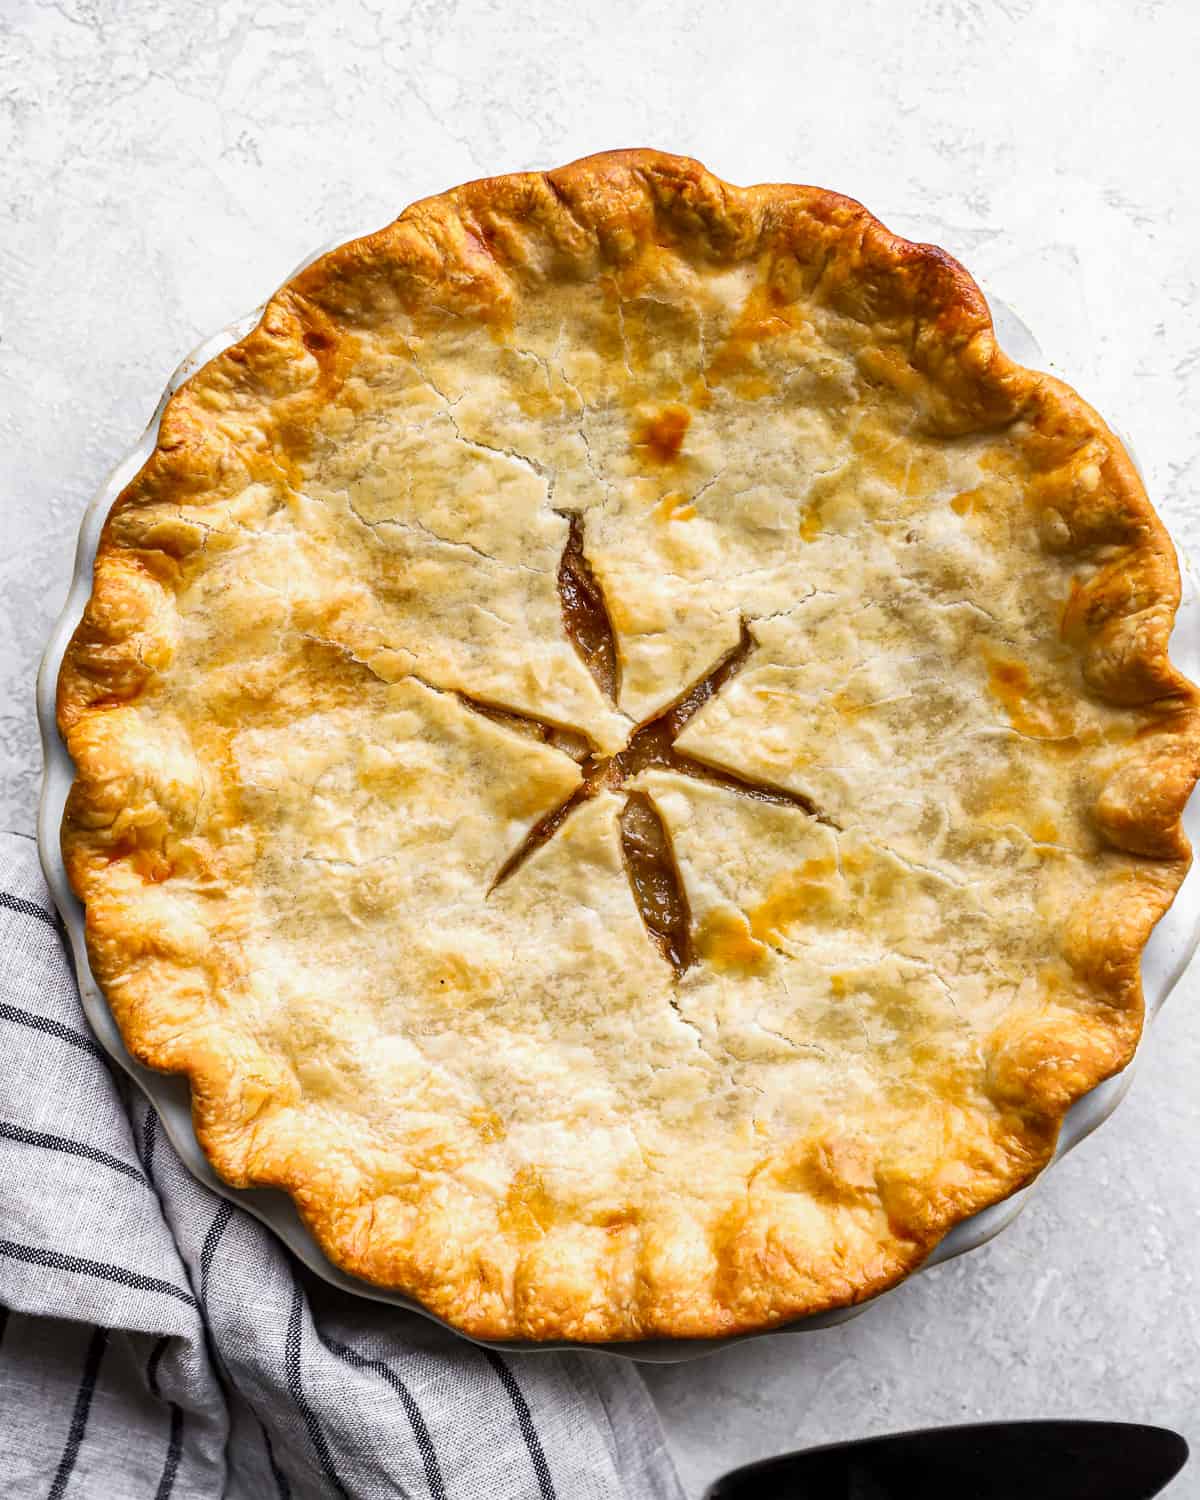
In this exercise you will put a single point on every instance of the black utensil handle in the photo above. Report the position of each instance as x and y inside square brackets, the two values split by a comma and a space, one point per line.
[990, 1461]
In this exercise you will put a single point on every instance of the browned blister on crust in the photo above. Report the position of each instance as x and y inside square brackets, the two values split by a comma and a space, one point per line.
[629, 753]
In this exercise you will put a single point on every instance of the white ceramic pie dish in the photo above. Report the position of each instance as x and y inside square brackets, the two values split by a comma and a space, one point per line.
[1166, 956]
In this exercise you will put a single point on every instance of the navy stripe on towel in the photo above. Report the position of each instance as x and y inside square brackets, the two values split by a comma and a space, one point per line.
[420, 1429]
[79, 1417]
[51, 1260]
[295, 1385]
[537, 1456]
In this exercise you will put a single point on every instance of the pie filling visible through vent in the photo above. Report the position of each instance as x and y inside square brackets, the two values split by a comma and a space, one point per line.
[645, 840]
[629, 753]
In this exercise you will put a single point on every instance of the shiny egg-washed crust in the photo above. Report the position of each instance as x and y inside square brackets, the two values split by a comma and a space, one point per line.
[767, 409]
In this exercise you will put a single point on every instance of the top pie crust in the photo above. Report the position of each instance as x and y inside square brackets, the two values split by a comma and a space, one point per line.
[907, 853]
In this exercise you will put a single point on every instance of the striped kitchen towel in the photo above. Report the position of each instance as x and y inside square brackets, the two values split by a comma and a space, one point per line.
[156, 1341]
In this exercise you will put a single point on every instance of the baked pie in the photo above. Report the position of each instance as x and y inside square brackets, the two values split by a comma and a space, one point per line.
[629, 753]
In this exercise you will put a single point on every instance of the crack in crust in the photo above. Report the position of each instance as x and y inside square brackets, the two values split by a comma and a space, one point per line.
[814, 1222]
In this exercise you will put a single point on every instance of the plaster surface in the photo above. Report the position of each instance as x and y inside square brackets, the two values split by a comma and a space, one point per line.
[162, 167]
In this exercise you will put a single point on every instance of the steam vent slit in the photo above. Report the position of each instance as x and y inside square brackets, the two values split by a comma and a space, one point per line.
[585, 612]
[541, 833]
[655, 880]
[572, 742]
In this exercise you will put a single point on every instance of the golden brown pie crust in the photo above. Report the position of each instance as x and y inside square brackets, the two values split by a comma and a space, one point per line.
[764, 419]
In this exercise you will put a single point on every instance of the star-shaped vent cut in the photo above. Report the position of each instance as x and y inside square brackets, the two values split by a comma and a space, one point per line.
[650, 864]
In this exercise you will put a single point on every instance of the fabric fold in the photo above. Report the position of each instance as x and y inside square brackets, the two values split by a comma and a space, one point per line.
[157, 1340]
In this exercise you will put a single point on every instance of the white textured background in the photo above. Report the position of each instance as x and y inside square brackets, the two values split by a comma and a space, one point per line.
[163, 166]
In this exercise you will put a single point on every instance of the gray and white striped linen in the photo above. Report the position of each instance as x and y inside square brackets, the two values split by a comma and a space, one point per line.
[157, 1343]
